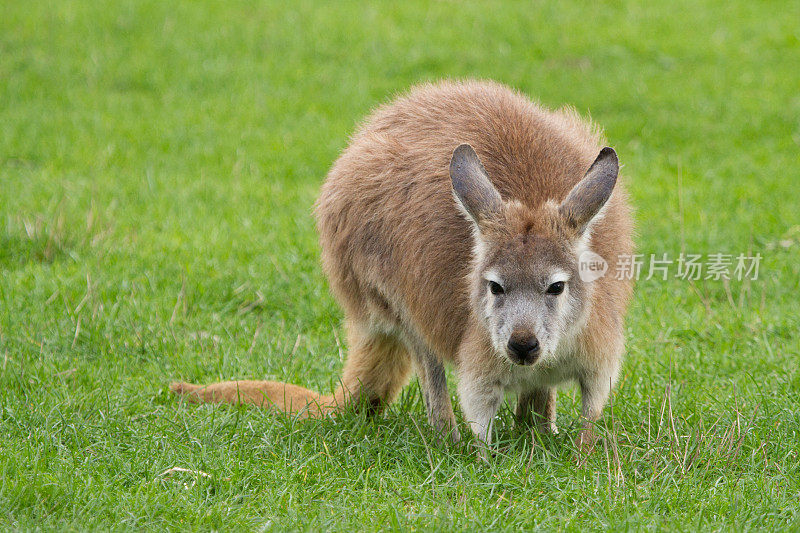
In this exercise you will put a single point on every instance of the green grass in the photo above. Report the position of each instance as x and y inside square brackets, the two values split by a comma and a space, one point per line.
[158, 163]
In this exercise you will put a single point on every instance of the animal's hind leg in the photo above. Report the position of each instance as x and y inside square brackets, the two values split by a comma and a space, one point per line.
[377, 367]
[538, 406]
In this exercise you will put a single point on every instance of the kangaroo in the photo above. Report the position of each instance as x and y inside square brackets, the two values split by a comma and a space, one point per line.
[452, 229]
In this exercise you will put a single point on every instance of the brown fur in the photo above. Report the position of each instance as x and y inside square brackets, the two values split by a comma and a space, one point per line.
[399, 253]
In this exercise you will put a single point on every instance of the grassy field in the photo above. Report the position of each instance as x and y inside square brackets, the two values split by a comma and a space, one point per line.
[158, 163]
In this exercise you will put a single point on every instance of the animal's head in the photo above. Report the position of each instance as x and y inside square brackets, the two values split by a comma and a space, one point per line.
[526, 287]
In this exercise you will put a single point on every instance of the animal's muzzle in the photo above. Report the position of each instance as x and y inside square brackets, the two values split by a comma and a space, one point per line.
[524, 350]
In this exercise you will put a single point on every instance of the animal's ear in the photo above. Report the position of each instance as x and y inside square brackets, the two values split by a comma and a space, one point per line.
[590, 194]
[472, 187]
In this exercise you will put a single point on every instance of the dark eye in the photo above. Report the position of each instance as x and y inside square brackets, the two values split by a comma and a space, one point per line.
[496, 288]
[556, 288]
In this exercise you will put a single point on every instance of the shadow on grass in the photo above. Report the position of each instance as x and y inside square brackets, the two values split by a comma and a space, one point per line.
[48, 240]
[17, 251]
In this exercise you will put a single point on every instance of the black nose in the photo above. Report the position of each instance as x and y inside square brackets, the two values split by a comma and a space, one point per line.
[524, 349]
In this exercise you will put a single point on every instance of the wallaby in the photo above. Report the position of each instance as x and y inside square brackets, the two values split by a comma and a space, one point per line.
[451, 231]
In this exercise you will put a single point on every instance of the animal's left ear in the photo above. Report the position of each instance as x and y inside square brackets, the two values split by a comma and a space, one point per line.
[588, 197]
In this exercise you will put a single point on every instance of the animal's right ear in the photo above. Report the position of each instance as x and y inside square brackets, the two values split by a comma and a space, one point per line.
[472, 187]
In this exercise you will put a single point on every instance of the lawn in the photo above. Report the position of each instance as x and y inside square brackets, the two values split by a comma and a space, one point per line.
[158, 164]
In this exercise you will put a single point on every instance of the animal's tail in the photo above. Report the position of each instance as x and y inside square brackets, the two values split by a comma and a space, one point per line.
[283, 397]
[376, 369]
